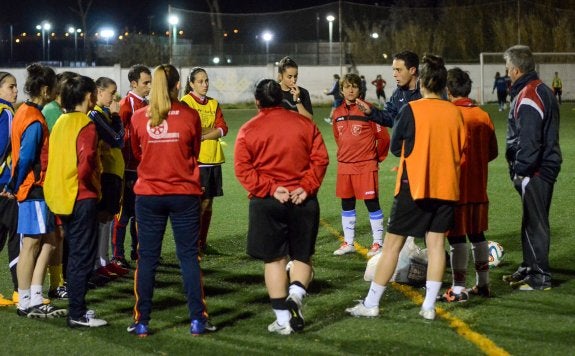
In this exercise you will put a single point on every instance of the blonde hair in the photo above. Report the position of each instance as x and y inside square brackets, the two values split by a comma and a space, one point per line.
[164, 90]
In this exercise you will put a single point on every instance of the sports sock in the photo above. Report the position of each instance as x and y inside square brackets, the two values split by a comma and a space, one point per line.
[297, 289]
[281, 311]
[348, 224]
[459, 259]
[24, 298]
[36, 294]
[481, 259]
[56, 279]
[431, 292]
[376, 220]
[374, 295]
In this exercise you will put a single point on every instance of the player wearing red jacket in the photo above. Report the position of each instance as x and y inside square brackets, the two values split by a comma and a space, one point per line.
[282, 170]
[167, 188]
[357, 165]
[140, 84]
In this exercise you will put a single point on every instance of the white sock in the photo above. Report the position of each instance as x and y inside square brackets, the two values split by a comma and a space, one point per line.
[348, 224]
[36, 294]
[376, 220]
[374, 295]
[431, 292]
[24, 298]
[283, 316]
[459, 260]
[297, 290]
[481, 259]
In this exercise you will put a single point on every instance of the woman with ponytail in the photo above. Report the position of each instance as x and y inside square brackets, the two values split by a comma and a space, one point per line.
[165, 138]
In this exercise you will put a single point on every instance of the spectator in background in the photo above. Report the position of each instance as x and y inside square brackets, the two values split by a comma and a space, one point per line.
[500, 84]
[534, 158]
[557, 86]
[362, 88]
[380, 84]
[337, 97]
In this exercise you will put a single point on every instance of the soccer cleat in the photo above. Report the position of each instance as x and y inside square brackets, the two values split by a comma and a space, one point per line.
[88, 320]
[294, 306]
[197, 327]
[97, 280]
[374, 250]
[121, 261]
[528, 285]
[280, 329]
[361, 310]
[43, 311]
[482, 291]
[344, 249]
[428, 314]
[16, 298]
[104, 271]
[117, 269]
[22, 312]
[450, 297]
[58, 293]
[5, 302]
[517, 276]
[139, 329]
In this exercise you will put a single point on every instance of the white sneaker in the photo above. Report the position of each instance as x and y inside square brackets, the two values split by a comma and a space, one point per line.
[280, 329]
[88, 320]
[428, 314]
[361, 310]
[374, 250]
[344, 249]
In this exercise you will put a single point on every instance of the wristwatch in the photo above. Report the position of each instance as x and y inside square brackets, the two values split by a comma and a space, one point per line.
[298, 100]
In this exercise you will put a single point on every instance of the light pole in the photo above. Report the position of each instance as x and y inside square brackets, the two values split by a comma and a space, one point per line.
[173, 20]
[330, 19]
[267, 37]
[75, 32]
[44, 26]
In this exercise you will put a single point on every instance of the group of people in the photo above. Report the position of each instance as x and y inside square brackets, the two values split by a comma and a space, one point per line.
[78, 167]
[444, 147]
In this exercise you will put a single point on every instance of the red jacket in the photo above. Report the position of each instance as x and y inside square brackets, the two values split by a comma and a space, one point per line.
[279, 147]
[168, 153]
[128, 105]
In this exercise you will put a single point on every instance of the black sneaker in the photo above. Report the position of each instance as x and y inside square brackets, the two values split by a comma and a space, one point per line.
[209, 327]
[22, 312]
[481, 291]
[121, 261]
[58, 293]
[517, 276]
[294, 307]
[43, 311]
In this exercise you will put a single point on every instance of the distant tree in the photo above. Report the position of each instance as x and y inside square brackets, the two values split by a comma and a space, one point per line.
[82, 11]
[217, 27]
[139, 48]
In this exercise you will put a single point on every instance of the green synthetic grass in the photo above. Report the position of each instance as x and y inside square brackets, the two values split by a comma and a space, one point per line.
[515, 322]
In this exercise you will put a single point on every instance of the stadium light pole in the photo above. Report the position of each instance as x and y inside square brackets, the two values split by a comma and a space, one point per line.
[330, 19]
[43, 27]
[173, 20]
[75, 32]
[267, 37]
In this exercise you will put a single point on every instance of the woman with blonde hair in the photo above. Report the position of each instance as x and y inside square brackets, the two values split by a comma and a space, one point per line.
[167, 188]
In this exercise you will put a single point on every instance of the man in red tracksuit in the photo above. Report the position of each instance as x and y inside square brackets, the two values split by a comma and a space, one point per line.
[140, 83]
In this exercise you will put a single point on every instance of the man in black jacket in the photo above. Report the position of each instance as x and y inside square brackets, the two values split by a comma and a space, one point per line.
[534, 158]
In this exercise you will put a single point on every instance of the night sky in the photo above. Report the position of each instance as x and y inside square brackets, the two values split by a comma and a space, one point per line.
[132, 14]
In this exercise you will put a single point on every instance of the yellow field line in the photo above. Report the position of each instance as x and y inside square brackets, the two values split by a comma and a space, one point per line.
[481, 341]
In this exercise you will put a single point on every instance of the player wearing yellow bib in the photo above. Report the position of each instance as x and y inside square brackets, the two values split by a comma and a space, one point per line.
[211, 153]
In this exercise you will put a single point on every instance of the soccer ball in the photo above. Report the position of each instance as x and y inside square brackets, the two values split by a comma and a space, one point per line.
[496, 253]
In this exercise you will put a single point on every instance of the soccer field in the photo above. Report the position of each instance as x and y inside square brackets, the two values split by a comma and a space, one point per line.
[512, 322]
